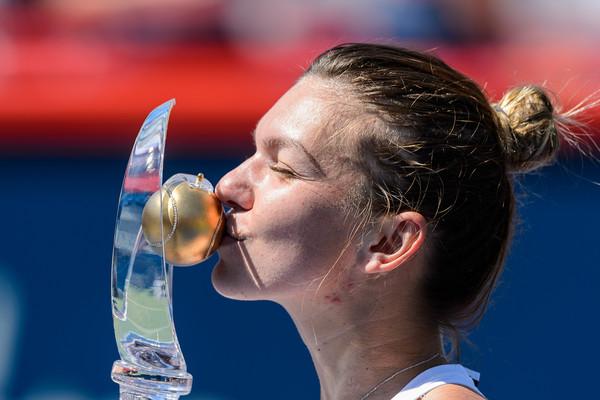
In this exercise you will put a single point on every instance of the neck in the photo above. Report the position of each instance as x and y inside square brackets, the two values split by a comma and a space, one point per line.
[358, 340]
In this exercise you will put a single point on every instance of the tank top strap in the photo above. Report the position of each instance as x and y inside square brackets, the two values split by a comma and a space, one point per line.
[438, 376]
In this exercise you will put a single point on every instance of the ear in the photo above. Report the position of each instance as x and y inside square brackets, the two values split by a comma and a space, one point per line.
[398, 240]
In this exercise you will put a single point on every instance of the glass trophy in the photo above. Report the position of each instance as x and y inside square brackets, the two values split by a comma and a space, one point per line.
[153, 227]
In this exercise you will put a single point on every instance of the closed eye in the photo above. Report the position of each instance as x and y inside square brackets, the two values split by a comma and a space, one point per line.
[283, 171]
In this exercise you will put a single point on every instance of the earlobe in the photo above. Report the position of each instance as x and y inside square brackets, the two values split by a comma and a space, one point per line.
[400, 239]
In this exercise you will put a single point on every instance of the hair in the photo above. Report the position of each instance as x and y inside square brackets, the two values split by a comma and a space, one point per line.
[431, 142]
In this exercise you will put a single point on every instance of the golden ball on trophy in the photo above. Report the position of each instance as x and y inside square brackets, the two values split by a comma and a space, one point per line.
[193, 221]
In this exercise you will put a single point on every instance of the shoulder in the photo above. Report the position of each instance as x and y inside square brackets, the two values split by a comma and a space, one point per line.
[452, 392]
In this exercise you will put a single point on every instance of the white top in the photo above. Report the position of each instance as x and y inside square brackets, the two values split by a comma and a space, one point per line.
[438, 376]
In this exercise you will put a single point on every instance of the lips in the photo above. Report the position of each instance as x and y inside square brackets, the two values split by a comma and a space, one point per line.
[231, 229]
[233, 234]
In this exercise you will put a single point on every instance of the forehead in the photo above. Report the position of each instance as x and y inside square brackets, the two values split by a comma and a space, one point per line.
[309, 112]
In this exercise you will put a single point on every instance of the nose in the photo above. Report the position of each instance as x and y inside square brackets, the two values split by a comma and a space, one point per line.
[235, 189]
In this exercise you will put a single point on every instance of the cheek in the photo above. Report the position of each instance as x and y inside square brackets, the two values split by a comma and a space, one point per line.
[304, 237]
[288, 216]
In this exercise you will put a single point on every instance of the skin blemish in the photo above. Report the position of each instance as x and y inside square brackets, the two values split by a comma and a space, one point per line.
[333, 299]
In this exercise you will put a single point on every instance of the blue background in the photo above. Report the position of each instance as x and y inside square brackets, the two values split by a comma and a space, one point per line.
[537, 340]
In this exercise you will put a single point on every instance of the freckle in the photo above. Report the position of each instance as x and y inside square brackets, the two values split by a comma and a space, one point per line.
[318, 349]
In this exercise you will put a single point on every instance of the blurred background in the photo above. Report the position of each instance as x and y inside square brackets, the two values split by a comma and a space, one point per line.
[77, 78]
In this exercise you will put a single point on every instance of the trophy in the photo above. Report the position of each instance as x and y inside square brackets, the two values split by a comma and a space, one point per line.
[158, 226]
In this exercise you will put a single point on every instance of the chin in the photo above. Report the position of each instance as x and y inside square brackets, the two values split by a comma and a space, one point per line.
[231, 283]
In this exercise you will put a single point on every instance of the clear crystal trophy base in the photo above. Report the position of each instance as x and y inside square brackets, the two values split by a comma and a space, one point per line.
[139, 384]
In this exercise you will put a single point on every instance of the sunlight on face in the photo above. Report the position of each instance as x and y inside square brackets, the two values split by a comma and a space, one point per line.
[286, 228]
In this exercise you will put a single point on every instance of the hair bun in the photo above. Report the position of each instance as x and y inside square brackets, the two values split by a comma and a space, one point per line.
[528, 130]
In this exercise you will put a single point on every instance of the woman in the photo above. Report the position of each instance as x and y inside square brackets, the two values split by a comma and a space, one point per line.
[377, 211]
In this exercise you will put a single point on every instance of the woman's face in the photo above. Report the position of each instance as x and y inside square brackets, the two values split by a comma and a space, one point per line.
[287, 227]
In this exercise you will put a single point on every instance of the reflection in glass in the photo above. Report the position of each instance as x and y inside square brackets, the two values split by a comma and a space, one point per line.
[151, 365]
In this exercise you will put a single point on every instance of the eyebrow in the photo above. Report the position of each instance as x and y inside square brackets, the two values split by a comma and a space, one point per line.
[272, 143]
